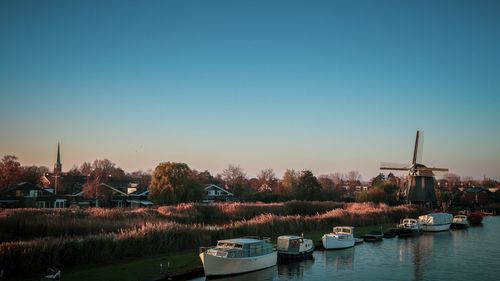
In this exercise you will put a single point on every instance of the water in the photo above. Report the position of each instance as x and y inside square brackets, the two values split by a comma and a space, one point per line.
[472, 254]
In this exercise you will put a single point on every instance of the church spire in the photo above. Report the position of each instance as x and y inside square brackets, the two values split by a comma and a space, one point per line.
[58, 165]
[58, 155]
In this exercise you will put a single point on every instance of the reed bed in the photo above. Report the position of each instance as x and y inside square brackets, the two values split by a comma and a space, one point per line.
[22, 224]
[226, 212]
[163, 236]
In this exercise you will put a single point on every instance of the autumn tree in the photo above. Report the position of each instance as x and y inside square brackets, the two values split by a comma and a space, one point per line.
[103, 171]
[235, 179]
[378, 180]
[452, 180]
[354, 178]
[10, 171]
[329, 190]
[289, 183]
[142, 178]
[172, 183]
[308, 187]
[33, 174]
[86, 168]
[267, 177]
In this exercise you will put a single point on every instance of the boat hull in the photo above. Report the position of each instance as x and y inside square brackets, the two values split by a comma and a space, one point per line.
[408, 232]
[459, 225]
[287, 256]
[220, 266]
[331, 243]
[435, 227]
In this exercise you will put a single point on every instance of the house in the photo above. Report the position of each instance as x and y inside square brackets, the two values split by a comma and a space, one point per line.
[110, 196]
[476, 196]
[215, 193]
[26, 194]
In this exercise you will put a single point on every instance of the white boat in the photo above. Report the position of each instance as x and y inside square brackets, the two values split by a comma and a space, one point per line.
[408, 228]
[435, 222]
[292, 247]
[341, 237]
[239, 255]
[460, 221]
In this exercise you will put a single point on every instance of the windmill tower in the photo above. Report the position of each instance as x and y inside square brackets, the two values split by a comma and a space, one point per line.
[420, 188]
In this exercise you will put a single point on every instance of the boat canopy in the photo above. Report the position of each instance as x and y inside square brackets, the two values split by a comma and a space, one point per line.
[436, 218]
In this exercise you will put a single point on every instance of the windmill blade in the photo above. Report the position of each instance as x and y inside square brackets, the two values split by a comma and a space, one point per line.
[433, 169]
[394, 166]
[420, 148]
[415, 149]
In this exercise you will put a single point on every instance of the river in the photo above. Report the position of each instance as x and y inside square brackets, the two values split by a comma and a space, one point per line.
[471, 254]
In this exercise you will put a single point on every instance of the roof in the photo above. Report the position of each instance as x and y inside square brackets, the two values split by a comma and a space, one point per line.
[289, 237]
[218, 187]
[241, 241]
[142, 202]
[114, 189]
[476, 190]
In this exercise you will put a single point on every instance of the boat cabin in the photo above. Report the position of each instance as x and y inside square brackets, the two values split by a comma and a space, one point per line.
[289, 243]
[343, 229]
[241, 248]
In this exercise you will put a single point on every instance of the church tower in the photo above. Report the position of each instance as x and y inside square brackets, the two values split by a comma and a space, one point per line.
[57, 170]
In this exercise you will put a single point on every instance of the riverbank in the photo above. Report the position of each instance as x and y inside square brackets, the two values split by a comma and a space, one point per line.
[182, 265]
[151, 234]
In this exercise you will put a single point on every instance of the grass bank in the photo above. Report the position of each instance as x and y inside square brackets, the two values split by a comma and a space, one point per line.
[154, 236]
[148, 268]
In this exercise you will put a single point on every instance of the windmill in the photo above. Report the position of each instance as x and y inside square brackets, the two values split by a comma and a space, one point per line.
[420, 188]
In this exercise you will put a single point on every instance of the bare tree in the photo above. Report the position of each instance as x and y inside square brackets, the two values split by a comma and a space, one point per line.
[10, 171]
[235, 178]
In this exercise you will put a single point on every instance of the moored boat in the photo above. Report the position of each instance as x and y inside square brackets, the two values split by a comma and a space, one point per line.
[435, 222]
[475, 218]
[460, 222]
[408, 228]
[239, 255]
[341, 237]
[292, 247]
[373, 236]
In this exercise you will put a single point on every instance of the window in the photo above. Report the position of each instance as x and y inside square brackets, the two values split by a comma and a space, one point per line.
[59, 204]
[40, 204]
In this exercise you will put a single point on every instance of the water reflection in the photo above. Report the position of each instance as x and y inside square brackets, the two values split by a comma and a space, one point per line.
[294, 269]
[340, 259]
[459, 255]
[264, 275]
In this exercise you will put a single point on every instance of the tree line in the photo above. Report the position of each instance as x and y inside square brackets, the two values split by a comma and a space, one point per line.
[172, 183]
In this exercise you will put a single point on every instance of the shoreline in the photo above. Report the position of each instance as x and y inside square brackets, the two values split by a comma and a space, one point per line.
[192, 269]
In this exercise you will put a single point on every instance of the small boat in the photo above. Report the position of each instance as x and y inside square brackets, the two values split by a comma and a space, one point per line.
[239, 255]
[340, 238]
[460, 222]
[408, 228]
[292, 247]
[373, 236]
[475, 218]
[51, 274]
[434, 222]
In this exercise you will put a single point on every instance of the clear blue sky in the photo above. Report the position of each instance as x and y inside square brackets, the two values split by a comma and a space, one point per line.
[330, 86]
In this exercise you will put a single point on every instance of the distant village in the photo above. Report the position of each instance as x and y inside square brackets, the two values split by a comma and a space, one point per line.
[102, 184]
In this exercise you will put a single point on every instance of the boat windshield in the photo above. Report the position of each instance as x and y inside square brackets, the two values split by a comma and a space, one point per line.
[340, 229]
[233, 250]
